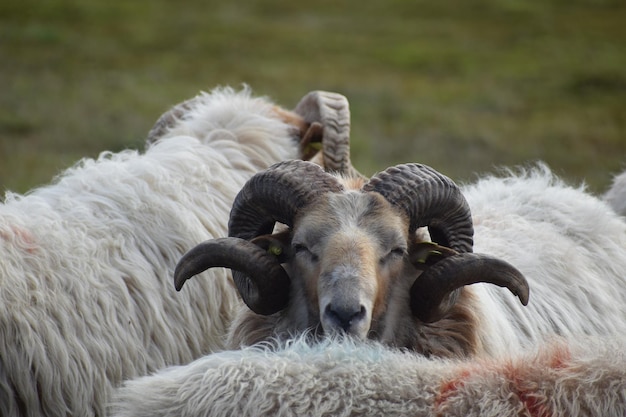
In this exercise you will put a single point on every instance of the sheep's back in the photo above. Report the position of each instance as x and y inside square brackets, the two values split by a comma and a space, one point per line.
[570, 246]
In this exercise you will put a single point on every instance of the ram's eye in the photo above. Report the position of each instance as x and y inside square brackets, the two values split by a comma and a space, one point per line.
[395, 253]
[299, 248]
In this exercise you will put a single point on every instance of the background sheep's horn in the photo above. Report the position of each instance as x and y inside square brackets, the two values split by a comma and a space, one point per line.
[170, 118]
[332, 112]
[435, 291]
[262, 282]
[429, 199]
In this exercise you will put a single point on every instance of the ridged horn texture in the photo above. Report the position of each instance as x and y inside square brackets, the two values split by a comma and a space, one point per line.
[169, 119]
[262, 295]
[274, 195]
[429, 198]
[332, 111]
[435, 291]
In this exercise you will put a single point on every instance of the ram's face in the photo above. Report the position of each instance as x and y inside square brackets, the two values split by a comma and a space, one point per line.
[348, 249]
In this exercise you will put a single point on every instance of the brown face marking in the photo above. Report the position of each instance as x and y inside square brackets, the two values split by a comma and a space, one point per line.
[356, 229]
[389, 229]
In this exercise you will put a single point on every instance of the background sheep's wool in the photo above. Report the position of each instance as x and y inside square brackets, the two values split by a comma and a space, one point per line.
[344, 379]
[459, 85]
[86, 264]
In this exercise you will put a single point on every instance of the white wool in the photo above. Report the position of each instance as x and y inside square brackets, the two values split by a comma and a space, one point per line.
[342, 378]
[570, 246]
[87, 297]
[616, 196]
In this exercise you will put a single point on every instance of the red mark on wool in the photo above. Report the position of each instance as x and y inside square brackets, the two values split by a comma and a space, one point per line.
[20, 237]
[523, 378]
[533, 405]
[450, 387]
[525, 386]
[560, 358]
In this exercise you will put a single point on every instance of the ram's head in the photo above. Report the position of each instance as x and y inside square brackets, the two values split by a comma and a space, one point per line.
[345, 249]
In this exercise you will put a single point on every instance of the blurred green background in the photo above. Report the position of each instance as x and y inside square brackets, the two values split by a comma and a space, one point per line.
[462, 85]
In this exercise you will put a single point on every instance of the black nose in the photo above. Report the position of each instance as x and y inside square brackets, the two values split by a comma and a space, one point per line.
[345, 316]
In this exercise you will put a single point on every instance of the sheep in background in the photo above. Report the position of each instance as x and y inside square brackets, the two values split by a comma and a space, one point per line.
[352, 261]
[616, 196]
[579, 378]
[322, 119]
[85, 263]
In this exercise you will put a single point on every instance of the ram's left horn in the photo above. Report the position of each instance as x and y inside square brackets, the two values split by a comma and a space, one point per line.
[434, 292]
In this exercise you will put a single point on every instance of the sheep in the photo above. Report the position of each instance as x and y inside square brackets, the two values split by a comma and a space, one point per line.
[86, 300]
[345, 378]
[616, 195]
[322, 118]
[352, 263]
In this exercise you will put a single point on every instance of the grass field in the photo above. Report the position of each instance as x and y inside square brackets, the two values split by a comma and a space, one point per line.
[462, 85]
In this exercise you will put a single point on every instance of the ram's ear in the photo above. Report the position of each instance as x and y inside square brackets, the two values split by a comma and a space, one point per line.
[311, 143]
[277, 244]
[425, 254]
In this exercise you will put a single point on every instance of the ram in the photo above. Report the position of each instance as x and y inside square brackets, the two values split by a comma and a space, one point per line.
[85, 263]
[562, 354]
[353, 260]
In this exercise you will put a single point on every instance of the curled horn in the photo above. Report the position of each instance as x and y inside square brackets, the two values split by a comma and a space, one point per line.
[274, 195]
[240, 255]
[435, 291]
[170, 118]
[329, 113]
[431, 199]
